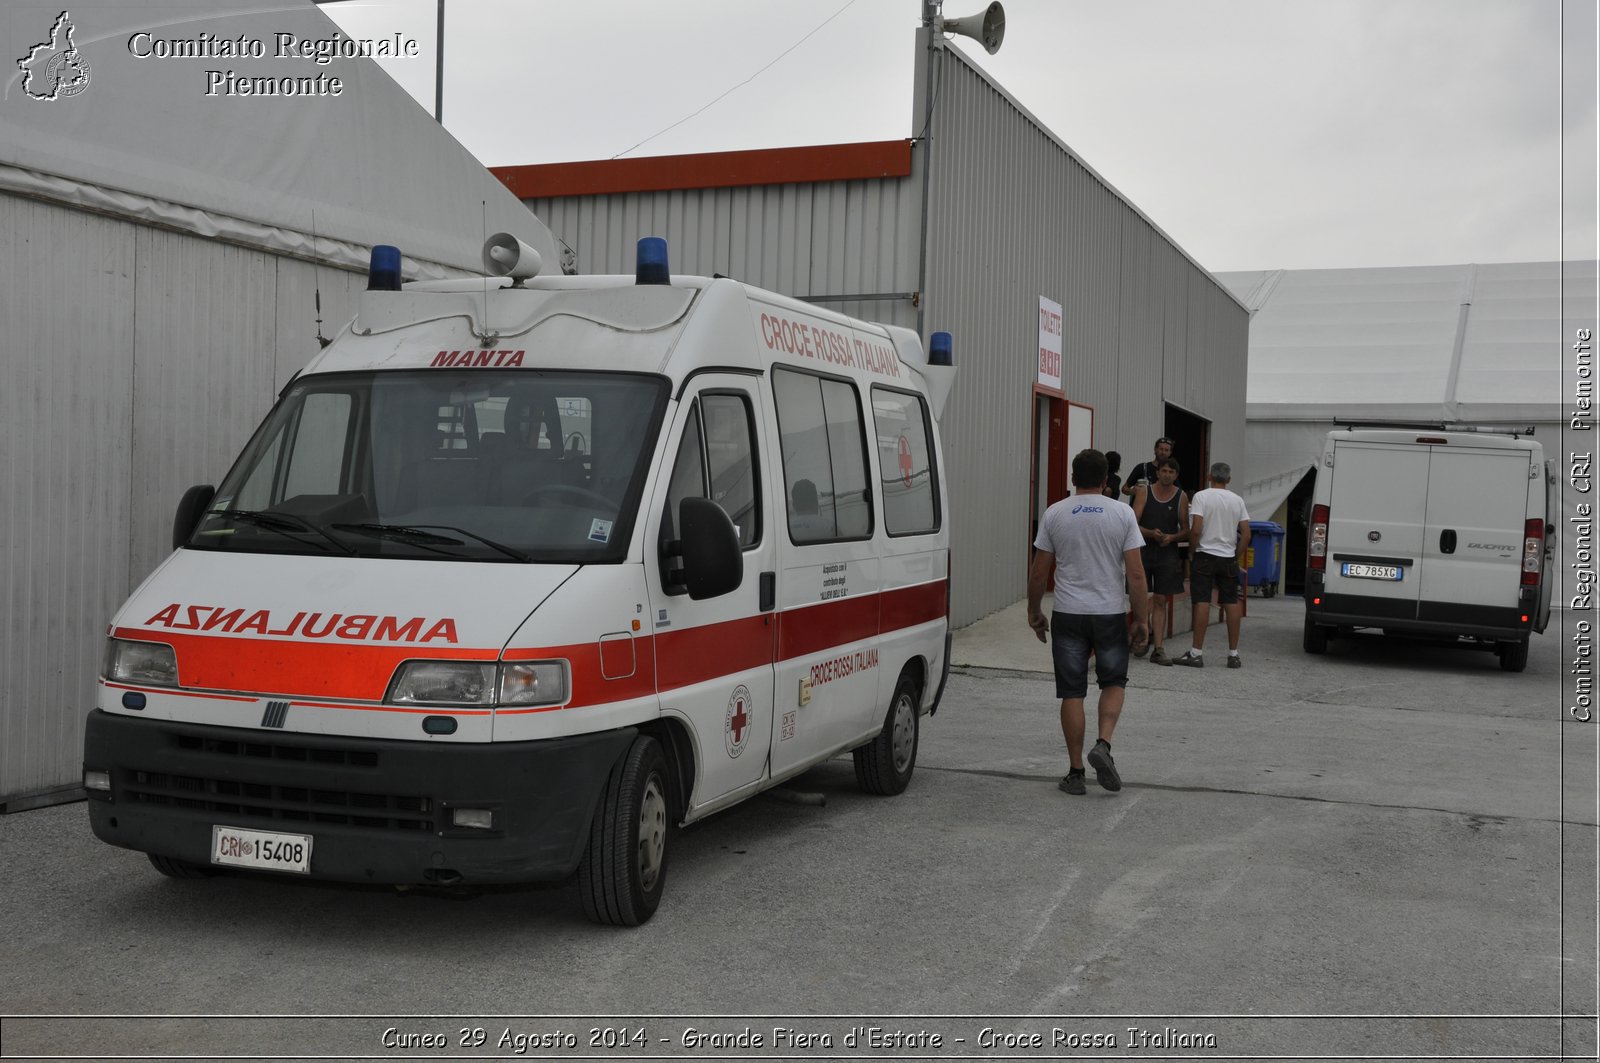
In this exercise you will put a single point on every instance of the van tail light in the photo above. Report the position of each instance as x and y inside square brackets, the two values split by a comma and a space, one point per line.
[1317, 542]
[1532, 551]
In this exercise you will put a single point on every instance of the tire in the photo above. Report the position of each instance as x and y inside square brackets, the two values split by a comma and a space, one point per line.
[624, 869]
[1513, 655]
[1315, 639]
[884, 765]
[173, 868]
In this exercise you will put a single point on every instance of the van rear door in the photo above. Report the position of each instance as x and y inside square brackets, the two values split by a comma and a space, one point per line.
[1376, 514]
[1472, 537]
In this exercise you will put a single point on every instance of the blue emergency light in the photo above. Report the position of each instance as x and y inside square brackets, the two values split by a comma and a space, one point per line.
[383, 275]
[941, 349]
[652, 268]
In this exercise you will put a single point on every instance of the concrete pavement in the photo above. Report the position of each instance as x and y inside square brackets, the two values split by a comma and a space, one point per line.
[1388, 850]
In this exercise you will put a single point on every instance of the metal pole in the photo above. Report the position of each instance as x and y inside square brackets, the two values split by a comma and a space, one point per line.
[930, 15]
[438, 72]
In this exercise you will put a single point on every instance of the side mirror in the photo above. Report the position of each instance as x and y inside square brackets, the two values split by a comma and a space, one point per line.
[195, 502]
[712, 562]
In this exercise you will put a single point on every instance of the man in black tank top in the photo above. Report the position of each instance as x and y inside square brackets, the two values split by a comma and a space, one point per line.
[1162, 510]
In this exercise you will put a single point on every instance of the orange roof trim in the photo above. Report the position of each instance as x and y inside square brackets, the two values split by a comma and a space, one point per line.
[718, 169]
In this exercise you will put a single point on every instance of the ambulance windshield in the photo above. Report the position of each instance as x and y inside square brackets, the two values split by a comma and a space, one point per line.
[472, 464]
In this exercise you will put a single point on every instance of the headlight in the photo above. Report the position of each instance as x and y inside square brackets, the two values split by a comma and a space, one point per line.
[443, 683]
[480, 683]
[148, 663]
[533, 683]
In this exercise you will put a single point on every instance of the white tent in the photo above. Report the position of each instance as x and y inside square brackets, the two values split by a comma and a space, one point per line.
[1481, 344]
[149, 111]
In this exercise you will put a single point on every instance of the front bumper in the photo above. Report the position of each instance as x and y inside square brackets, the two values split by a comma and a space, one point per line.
[378, 810]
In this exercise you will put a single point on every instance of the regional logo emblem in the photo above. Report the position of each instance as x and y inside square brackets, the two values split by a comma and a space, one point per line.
[55, 69]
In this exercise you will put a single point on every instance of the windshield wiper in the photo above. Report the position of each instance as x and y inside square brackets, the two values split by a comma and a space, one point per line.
[418, 534]
[283, 523]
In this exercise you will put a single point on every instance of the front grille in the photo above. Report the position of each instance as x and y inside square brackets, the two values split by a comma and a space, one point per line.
[204, 791]
[224, 747]
[291, 804]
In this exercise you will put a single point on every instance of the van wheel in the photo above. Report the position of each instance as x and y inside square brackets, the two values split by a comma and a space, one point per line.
[1513, 656]
[884, 765]
[1315, 639]
[624, 869]
[180, 868]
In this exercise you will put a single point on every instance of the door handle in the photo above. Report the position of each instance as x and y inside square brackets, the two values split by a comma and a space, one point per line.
[769, 592]
[1447, 541]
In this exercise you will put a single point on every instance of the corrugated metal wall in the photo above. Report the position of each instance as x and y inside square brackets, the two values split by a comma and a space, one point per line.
[1013, 215]
[138, 361]
[1018, 216]
[842, 238]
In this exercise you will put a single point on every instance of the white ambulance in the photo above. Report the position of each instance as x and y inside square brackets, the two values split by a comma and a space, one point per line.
[520, 573]
[1431, 531]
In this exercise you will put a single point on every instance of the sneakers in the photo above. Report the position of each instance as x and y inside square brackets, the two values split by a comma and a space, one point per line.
[1105, 769]
[1189, 660]
[1072, 782]
[1140, 651]
[1234, 662]
[1159, 656]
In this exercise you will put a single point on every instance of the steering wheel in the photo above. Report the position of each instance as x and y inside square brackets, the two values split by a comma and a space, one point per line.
[583, 494]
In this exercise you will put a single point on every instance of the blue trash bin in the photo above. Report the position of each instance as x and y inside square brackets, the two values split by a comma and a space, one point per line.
[1264, 558]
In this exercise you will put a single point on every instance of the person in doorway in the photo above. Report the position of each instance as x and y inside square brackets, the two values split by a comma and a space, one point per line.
[1220, 531]
[1113, 481]
[1145, 472]
[1162, 510]
[1087, 547]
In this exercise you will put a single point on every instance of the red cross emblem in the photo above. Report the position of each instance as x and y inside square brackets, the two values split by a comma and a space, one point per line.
[905, 460]
[737, 731]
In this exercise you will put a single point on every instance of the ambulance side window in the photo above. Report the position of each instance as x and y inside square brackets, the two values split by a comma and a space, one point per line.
[824, 458]
[688, 473]
[715, 460]
[731, 464]
[910, 482]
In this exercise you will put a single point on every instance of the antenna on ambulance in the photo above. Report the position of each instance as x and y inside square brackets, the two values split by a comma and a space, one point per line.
[316, 283]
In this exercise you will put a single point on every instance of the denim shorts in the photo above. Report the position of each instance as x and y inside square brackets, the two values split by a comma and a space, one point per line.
[1073, 635]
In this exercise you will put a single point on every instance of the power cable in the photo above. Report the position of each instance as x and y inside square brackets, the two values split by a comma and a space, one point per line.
[743, 83]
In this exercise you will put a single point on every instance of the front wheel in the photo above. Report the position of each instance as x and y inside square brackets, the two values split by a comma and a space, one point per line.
[884, 765]
[624, 869]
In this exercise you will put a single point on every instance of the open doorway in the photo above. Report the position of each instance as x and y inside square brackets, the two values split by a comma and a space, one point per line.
[1191, 445]
[1296, 520]
[1047, 479]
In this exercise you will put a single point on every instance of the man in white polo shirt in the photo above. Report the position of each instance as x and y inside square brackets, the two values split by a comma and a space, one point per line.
[1219, 530]
[1090, 545]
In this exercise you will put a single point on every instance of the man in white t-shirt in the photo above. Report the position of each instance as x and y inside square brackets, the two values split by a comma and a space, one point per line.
[1219, 531]
[1090, 546]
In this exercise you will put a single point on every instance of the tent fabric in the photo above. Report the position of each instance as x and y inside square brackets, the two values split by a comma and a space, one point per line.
[1481, 344]
[92, 115]
[1467, 342]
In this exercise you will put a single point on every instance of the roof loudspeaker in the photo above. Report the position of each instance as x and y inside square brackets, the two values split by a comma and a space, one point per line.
[988, 29]
[506, 256]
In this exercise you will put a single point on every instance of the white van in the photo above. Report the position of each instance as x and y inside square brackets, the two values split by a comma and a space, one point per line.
[1432, 531]
[519, 573]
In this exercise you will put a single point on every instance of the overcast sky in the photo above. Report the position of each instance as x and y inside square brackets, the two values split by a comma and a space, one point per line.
[1259, 134]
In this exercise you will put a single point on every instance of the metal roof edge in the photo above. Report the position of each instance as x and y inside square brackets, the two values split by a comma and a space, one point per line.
[866, 160]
